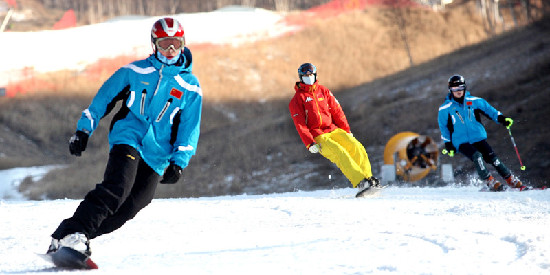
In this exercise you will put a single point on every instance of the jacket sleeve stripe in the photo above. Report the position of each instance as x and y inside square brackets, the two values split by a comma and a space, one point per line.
[185, 148]
[173, 114]
[193, 88]
[132, 98]
[89, 116]
[139, 70]
[445, 106]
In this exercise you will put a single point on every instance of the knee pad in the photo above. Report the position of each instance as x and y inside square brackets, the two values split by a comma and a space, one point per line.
[501, 168]
[482, 171]
[492, 159]
[478, 160]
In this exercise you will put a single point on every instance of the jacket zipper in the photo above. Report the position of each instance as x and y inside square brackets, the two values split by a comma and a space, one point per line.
[318, 109]
[166, 105]
[459, 116]
[160, 79]
[143, 96]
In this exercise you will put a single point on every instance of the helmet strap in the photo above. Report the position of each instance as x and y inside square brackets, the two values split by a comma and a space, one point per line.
[155, 50]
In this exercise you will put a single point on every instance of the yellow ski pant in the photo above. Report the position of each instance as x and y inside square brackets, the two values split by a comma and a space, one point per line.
[347, 153]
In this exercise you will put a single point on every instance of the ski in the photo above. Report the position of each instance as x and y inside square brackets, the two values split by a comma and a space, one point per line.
[68, 258]
[509, 189]
[369, 192]
[528, 188]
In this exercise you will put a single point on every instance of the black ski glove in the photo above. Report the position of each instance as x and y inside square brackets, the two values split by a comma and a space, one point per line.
[449, 149]
[172, 174]
[506, 121]
[77, 143]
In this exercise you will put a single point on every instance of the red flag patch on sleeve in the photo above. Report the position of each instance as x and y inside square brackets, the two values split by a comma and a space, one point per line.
[176, 93]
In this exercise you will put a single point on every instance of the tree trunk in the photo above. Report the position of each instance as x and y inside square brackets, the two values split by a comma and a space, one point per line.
[527, 9]
[402, 25]
[513, 12]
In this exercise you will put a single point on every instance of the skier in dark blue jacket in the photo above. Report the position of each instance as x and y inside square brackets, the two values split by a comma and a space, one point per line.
[153, 135]
[459, 121]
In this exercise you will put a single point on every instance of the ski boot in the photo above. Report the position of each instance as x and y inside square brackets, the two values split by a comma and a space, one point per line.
[71, 252]
[374, 182]
[54, 246]
[514, 182]
[76, 241]
[494, 185]
[367, 185]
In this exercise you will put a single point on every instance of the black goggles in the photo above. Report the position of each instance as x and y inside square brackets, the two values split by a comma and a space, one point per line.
[457, 88]
[307, 69]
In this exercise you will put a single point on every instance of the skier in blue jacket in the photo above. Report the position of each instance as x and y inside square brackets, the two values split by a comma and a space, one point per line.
[153, 135]
[459, 121]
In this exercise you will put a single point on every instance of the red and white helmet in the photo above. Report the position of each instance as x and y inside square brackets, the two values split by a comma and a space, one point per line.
[167, 28]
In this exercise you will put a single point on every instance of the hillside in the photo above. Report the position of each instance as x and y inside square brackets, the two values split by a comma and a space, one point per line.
[248, 142]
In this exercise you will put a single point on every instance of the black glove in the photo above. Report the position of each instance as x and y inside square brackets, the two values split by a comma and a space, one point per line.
[77, 143]
[172, 174]
[449, 149]
[506, 121]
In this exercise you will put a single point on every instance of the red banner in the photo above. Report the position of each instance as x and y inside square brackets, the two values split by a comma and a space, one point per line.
[12, 3]
[67, 21]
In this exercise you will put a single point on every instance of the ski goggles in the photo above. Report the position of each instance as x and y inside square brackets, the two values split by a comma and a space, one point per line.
[165, 43]
[457, 88]
[307, 69]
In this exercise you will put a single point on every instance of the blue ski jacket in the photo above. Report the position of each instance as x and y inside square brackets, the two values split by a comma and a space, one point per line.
[160, 114]
[461, 123]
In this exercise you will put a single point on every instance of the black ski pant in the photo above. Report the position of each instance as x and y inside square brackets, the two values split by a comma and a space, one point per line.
[128, 186]
[481, 151]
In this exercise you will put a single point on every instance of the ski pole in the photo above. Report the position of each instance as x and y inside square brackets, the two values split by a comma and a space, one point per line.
[515, 147]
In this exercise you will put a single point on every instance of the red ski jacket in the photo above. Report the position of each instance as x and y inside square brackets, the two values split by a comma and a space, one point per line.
[315, 111]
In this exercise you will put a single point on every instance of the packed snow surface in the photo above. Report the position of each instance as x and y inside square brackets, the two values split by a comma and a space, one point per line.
[446, 230]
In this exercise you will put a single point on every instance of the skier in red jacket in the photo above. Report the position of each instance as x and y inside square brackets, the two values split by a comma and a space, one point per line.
[323, 128]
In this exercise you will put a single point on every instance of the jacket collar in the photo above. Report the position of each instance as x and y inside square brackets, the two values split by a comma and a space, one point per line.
[301, 87]
[450, 97]
[184, 64]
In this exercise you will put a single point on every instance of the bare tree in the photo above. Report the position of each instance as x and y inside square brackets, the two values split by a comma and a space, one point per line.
[94, 11]
[91, 12]
[248, 3]
[398, 13]
[282, 5]
[526, 4]
[512, 12]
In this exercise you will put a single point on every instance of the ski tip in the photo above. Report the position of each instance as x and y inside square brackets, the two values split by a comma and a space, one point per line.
[91, 264]
[66, 257]
[45, 257]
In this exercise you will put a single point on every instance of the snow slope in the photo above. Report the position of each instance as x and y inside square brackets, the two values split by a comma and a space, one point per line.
[448, 230]
[75, 48]
[11, 178]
